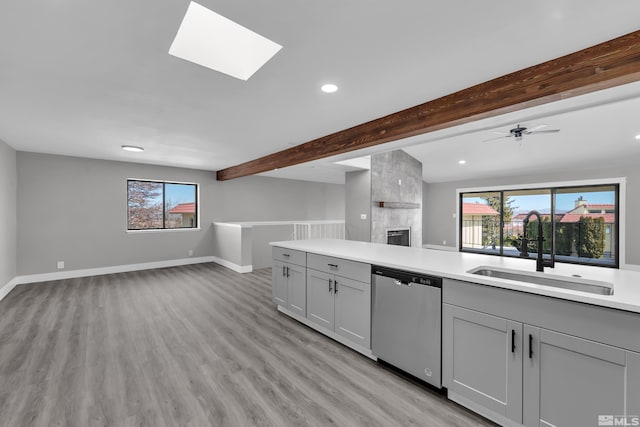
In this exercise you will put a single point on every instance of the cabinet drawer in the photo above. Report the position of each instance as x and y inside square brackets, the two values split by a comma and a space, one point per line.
[341, 267]
[289, 255]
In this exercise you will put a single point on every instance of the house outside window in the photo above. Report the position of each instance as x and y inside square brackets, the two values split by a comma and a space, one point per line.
[580, 224]
[160, 205]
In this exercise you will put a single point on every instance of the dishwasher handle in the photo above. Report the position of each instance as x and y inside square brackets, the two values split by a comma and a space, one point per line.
[406, 278]
[402, 283]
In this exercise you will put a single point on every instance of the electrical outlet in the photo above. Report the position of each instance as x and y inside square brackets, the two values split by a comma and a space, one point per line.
[444, 242]
[190, 252]
[363, 216]
[60, 265]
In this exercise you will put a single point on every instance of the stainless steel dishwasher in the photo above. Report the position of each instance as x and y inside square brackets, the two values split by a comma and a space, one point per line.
[406, 330]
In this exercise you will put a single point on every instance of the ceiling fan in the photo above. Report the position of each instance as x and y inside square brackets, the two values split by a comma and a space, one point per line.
[519, 131]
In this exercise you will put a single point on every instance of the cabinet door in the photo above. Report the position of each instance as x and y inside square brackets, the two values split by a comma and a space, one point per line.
[570, 381]
[633, 383]
[279, 283]
[297, 289]
[482, 360]
[353, 310]
[320, 300]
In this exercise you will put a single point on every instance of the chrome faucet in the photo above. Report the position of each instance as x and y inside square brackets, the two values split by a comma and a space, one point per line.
[524, 253]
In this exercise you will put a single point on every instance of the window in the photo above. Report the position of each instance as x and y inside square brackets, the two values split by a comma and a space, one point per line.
[480, 222]
[158, 205]
[580, 224]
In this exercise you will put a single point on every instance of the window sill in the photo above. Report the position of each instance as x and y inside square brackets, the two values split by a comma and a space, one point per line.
[164, 230]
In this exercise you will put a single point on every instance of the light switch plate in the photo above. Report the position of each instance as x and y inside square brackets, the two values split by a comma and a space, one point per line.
[363, 216]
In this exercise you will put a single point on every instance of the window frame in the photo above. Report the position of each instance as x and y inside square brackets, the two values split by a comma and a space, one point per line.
[163, 229]
[620, 197]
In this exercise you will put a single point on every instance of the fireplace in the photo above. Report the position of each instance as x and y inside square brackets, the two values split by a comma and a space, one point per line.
[399, 236]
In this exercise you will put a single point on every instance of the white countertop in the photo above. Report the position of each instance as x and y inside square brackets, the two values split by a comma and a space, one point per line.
[454, 265]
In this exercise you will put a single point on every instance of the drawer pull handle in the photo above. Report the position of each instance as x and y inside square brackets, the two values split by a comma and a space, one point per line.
[333, 265]
[335, 286]
[287, 271]
[530, 346]
[287, 255]
[513, 341]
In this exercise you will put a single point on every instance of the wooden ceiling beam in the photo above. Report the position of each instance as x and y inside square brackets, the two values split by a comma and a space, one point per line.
[602, 66]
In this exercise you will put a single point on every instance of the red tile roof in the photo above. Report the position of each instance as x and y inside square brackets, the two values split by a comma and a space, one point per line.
[609, 218]
[183, 208]
[477, 209]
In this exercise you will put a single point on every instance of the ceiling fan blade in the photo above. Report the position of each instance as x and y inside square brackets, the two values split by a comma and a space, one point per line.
[498, 137]
[546, 131]
[535, 128]
[501, 133]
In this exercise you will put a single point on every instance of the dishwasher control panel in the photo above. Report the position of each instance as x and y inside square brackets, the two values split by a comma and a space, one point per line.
[407, 277]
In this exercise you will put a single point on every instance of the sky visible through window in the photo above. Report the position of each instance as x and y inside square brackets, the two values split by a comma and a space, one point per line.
[177, 194]
[564, 202]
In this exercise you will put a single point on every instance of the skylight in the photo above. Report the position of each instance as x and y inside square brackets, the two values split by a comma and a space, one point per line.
[358, 162]
[213, 41]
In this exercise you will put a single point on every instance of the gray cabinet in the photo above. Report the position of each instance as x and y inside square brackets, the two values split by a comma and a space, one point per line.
[288, 278]
[482, 360]
[570, 381]
[297, 289]
[509, 357]
[320, 297]
[337, 303]
[279, 283]
[353, 310]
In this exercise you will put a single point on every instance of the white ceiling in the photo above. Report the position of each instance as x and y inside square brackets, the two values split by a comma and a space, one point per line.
[84, 77]
[596, 130]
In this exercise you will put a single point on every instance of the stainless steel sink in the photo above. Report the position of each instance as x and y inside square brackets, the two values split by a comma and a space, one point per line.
[575, 284]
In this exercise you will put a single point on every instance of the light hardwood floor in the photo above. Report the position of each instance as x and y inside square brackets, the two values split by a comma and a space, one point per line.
[196, 345]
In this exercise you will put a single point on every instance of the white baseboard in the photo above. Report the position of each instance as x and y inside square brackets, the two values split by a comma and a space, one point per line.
[233, 266]
[71, 274]
[4, 291]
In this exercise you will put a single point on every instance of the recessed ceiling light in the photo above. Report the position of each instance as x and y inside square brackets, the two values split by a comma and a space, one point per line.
[462, 162]
[216, 42]
[638, 136]
[329, 88]
[132, 148]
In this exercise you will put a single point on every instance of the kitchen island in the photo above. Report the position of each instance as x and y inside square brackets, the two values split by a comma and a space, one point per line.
[455, 265]
[516, 352]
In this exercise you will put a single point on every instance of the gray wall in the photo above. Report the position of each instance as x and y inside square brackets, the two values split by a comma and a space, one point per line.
[260, 238]
[386, 171]
[256, 198]
[74, 210]
[228, 243]
[440, 202]
[8, 224]
[357, 202]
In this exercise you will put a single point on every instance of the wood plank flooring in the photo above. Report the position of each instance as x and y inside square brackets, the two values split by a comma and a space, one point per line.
[197, 345]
